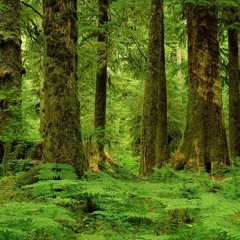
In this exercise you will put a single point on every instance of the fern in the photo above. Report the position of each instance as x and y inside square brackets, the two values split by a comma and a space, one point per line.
[179, 206]
[51, 188]
[56, 171]
[33, 221]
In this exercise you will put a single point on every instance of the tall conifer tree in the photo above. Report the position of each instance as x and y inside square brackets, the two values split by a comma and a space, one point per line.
[154, 150]
[204, 143]
[11, 69]
[62, 136]
[234, 85]
[101, 76]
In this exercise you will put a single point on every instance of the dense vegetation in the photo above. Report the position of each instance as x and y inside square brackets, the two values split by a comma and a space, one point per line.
[116, 125]
[167, 205]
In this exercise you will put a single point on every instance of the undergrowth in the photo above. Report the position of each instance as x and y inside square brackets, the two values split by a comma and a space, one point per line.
[166, 205]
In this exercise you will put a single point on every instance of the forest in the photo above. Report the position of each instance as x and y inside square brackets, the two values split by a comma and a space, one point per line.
[119, 119]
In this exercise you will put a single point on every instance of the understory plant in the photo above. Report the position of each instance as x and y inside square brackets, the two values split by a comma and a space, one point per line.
[168, 205]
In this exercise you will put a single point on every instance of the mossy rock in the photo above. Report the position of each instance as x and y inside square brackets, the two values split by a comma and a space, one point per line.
[10, 187]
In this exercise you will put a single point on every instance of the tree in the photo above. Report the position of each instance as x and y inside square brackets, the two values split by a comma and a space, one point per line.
[154, 121]
[101, 76]
[62, 136]
[11, 69]
[204, 141]
[234, 96]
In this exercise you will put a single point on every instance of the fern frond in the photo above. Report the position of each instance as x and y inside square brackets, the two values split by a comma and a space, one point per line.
[56, 171]
[33, 221]
[52, 188]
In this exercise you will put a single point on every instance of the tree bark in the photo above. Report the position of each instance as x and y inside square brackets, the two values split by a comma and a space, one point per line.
[11, 70]
[162, 126]
[204, 143]
[154, 149]
[234, 96]
[101, 76]
[62, 135]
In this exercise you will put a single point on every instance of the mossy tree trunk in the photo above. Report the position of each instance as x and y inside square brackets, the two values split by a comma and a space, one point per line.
[154, 149]
[62, 135]
[11, 70]
[239, 53]
[101, 76]
[234, 95]
[204, 143]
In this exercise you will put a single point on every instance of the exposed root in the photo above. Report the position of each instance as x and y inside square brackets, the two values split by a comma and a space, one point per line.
[94, 157]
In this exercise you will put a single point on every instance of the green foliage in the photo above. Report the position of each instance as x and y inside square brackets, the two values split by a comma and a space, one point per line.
[56, 180]
[172, 205]
[168, 204]
[11, 99]
[231, 185]
[32, 58]
[164, 174]
[33, 221]
[4, 7]
[219, 3]
[56, 171]
[53, 188]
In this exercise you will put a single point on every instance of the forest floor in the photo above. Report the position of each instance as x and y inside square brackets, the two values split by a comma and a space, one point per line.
[120, 205]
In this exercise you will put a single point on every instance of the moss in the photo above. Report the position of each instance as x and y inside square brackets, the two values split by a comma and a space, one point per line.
[177, 216]
[69, 15]
[8, 36]
[60, 55]
[5, 74]
[29, 177]
[6, 158]
[57, 35]
[63, 55]
[9, 186]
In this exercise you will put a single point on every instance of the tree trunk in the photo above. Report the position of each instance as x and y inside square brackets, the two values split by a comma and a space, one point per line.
[10, 70]
[41, 107]
[204, 143]
[62, 136]
[239, 54]
[154, 122]
[234, 96]
[162, 132]
[180, 78]
[101, 77]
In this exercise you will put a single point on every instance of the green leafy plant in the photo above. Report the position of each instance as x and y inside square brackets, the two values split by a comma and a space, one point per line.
[164, 174]
[33, 221]
[231, 185]
[4, 7]
[56, 171]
